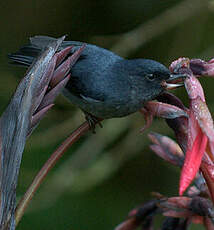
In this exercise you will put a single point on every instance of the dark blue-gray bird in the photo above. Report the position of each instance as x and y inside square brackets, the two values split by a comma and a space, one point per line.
[103, 84]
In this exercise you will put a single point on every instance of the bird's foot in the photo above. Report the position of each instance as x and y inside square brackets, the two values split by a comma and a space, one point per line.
[92, 121]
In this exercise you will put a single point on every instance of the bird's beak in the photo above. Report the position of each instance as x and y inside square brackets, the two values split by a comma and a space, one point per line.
[171, 83]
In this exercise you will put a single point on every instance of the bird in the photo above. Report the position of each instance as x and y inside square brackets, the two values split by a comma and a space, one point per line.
[103, 84]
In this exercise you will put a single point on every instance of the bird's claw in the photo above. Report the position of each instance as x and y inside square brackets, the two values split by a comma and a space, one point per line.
[92, 121]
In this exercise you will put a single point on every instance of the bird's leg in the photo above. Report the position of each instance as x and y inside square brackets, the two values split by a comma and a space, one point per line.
[92, 121]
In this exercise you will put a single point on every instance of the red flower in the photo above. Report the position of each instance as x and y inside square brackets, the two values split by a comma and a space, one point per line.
[200, 123]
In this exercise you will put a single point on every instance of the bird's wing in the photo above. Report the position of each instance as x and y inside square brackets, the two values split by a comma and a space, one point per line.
[93, 82]
[86, 86]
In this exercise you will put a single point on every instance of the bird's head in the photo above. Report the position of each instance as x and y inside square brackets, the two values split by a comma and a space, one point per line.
[152, 78]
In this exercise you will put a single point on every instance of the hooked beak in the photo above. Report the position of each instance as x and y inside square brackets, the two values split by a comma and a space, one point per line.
[171, 82]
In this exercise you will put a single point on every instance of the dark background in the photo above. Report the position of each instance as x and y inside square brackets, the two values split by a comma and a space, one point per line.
[103, 176]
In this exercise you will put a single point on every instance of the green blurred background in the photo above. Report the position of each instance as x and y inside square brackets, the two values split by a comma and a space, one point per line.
[103, 176]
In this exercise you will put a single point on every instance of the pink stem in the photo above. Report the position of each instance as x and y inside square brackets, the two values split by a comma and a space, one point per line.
[24, 202]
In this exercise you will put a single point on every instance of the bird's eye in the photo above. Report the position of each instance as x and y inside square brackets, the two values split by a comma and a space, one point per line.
[150, 76]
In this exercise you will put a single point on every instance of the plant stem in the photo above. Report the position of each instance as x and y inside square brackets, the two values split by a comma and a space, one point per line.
[24, 202]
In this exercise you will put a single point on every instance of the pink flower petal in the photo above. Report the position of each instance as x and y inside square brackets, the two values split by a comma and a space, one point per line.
[179, 202]
[148, 117]
[208, 173]
[201, 67]
[63, 69]
[167, 149]
[62, 55]
[130, 224]
[192, 161]
[53, 93]
[178, 214]
[203, 117]
[208, 223]
[194, 88]
[164, 110]
[193, 129]
[178, 64]
[211, 152]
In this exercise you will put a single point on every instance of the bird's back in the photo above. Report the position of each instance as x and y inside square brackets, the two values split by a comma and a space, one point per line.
[39, 43]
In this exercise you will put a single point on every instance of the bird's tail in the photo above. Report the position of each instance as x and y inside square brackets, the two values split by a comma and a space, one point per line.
[26, 54]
